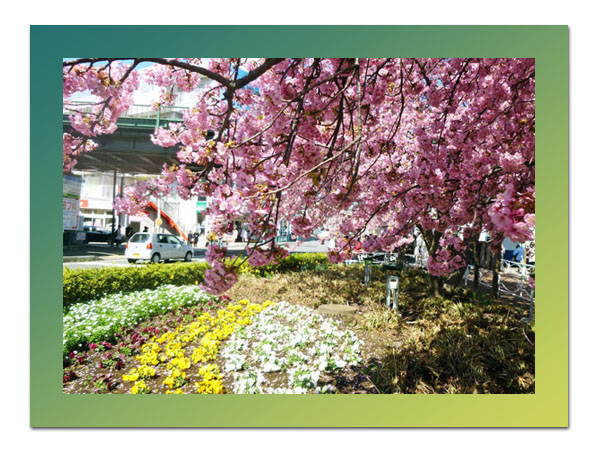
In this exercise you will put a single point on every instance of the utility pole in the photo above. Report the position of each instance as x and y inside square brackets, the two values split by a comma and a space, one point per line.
[122, 215]
[112, 231]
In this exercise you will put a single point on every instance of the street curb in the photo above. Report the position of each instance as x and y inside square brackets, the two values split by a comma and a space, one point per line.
[72, 259]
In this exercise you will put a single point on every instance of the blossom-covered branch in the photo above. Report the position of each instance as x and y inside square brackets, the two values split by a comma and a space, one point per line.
[353, 146]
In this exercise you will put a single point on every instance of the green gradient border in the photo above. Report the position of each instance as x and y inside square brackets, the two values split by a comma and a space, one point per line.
[548, 407]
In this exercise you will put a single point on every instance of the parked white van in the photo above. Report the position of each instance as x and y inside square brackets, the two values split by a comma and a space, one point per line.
[155, 247]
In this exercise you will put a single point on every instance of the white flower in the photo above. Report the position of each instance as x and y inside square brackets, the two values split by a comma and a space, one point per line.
[293, 339]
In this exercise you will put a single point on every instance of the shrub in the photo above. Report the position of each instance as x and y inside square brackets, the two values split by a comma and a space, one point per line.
[295, 262]
[82, 285]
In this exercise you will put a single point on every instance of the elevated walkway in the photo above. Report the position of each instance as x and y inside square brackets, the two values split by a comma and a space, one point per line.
[129, 149]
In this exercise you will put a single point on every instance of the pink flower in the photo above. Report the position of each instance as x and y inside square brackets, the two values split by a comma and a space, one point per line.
[461, 154]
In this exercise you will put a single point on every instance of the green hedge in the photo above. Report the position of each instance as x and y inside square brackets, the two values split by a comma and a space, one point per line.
[82, 285]
[293, 263]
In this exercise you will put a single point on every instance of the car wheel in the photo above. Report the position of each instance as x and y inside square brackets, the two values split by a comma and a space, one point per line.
[131, 261]
[155, 258]
[188, 256]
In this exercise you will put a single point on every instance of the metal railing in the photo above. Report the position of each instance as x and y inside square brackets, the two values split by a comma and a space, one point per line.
[513, 279]
[148, 112]
[169, 208]
[386, 260]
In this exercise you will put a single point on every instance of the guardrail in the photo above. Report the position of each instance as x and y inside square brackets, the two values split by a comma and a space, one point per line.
[136, 111]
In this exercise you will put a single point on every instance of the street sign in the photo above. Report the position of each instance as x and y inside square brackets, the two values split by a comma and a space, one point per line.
[71, 194]
[158, 222]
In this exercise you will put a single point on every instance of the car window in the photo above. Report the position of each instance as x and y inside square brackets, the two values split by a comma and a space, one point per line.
[140, 237]
[163, 239]
[174, 240]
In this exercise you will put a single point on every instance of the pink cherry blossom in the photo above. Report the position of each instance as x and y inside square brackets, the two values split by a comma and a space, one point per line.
[367, 148]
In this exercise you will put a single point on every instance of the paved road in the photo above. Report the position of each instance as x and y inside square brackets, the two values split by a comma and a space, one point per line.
[101, 255]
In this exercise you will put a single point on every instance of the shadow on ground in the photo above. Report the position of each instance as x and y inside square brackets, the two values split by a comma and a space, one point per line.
[460, 344]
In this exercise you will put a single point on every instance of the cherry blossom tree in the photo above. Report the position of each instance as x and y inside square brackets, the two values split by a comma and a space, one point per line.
[368, 149]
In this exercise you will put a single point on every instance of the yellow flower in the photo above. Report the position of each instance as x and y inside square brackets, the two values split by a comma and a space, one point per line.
[206, 333]
[148, 358]
[177, 391]
[173, 349]
[151, 347]
[133, 375]
[168, 336]
[169, 381]
[182, 363]
[146, 371]
[140, 388]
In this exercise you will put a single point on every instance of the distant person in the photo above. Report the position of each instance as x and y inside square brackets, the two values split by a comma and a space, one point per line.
[118, 237]
[519, 254]
[244, 234]
[531, 254]
[145, 229]
[196, 237]
[128, 231]
[190, 238]
[210, 238]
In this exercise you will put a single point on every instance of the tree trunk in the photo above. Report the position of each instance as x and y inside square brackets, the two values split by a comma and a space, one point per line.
[496, 257]
[432, 239]
[457, 277]
[477, 261]
[435, 286]
[400, 258]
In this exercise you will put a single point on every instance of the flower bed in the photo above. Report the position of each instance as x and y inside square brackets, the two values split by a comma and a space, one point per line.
[286, 350]
[433, 345]
[98, 320]
[165, 361]
[99, 367]
[216, 348]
